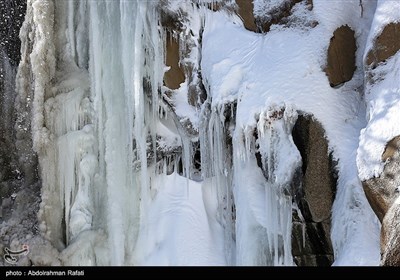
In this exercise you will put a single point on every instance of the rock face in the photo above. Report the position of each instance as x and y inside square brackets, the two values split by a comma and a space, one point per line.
[245, 11]
[386, 44]
[311, 226]
[341, 56]
[12, 13]
[390, 238]
[11, 18]
[174, 76]
[262, 22]
[382, 193]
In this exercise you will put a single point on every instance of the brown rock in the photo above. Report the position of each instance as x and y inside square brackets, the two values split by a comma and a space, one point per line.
[391, 147]
[279, 15]
[390, 237]
[175, 75]
[341, 56]
[377, 196]
[314, 193]
[319, 183]
[382, 192]
[246, 12]
[386, 44]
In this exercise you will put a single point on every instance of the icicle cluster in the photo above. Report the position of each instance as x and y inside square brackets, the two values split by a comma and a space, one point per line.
[93, 118]
[263, 193]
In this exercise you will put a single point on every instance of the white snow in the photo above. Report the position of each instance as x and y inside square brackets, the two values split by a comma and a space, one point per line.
[182, 107]
[264, 207]
[382, 98]
[383, 115]
[387, 11]
[177, 229]
[266, 7]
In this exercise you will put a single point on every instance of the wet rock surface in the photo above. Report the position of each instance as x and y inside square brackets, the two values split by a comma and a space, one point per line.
[314, 193]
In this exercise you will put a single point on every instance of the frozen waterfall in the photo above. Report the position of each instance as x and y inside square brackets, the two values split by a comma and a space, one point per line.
[127, 177]
[95, 123]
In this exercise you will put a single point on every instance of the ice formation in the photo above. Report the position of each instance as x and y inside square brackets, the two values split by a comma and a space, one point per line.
[118, 150]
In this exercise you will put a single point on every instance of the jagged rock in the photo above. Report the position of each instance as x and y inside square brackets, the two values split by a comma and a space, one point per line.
[341, 56]
[386, 44]
[382, 192]
[314, 197]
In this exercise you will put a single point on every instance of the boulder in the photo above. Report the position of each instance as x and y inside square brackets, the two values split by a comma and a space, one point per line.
[341, 61]
[382, 193]
[386, 44]
[314, 193]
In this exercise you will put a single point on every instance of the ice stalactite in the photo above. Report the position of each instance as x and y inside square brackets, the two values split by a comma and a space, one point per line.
[61, 118]
[252, 175]
[124, 82]
[216, 158]
[36, 69]
[114, 106]
[263, 195]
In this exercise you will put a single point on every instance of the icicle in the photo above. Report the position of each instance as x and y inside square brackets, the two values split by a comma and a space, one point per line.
[122, 96]
[71, 28]
[187, 161]
[268, 206]
[215, 158]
